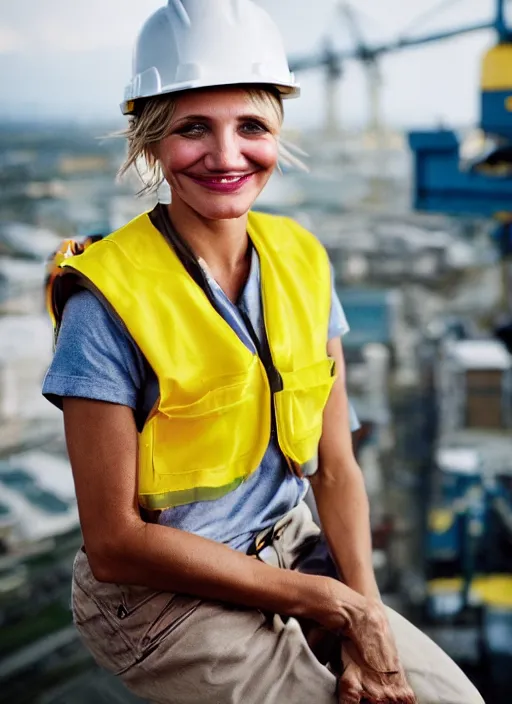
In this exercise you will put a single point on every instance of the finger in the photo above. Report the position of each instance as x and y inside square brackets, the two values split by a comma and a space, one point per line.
[410, 697]
[349, 696]
[389, 695]
[349, 686]
[367, 698]
[402, 693]
[377, 691]
[392, 689]
[349, 693]
[375, 694]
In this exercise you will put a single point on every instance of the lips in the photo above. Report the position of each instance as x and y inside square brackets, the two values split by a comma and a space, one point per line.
[222, 184]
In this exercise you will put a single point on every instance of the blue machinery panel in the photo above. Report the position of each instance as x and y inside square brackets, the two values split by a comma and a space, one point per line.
[440, 185]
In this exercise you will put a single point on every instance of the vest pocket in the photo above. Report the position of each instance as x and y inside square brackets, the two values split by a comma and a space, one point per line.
[216, 401]
[204, 449]
[299, 408]
[212, 434]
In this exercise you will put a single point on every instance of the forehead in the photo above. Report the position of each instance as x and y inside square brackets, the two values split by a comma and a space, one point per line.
[217, 102]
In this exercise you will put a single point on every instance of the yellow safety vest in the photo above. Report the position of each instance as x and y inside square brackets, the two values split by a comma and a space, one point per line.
[210, 426]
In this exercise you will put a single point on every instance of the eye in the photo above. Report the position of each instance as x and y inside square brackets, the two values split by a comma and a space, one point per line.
[253, 127]
[194, 130]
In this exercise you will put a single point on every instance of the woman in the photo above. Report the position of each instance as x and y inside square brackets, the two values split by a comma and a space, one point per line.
[200, 370]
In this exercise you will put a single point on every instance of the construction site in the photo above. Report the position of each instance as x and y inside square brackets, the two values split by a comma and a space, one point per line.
[418, 228]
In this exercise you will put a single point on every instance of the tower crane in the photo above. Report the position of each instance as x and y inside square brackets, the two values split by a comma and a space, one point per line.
[370, 54]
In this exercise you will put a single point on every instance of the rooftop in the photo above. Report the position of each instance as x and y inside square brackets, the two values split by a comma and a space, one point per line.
[481, 354]
[368, 314]
[51, 472]
[37, 489]
[22, 239]
[461, 460]
[459, 450]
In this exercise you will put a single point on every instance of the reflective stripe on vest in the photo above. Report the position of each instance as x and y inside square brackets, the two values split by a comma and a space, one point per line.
[211, 424]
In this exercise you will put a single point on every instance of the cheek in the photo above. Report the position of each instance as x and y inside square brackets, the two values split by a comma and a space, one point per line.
[263, 152]
[178, 154]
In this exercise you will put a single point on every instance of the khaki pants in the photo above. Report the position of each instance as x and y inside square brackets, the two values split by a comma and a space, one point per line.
[175, 649]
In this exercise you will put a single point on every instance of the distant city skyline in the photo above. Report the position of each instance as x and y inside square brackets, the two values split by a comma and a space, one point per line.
[72, 60]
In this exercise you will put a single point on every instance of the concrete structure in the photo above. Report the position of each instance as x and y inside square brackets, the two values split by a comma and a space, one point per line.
[23, 240]
[21, 286]
[38, 489]
[474, 380]
[25, 354]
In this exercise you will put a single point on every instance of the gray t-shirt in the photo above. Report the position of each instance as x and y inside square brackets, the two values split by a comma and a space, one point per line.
[96, 358]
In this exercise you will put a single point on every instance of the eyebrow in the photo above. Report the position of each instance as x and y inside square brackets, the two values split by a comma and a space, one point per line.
[205, 118]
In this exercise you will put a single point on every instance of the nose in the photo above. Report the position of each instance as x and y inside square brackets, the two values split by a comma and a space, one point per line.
[225, 151]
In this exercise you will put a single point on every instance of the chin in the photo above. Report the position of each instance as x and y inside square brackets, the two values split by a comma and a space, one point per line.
[224, 207]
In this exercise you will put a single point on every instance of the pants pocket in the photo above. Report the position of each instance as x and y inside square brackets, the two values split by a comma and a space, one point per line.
[146, 617]
[170, 620]
[122, 629]
[100, 633]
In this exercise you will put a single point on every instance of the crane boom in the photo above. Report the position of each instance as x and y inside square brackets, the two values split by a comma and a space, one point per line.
[368, 53]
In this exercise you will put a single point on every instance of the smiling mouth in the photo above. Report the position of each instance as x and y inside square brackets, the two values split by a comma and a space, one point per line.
[228, 183]
[221, 179]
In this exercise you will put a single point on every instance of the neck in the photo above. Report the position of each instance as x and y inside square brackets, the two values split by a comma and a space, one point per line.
[222, 244]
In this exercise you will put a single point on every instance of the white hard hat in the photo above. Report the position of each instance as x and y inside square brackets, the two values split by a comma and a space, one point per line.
[205, 43]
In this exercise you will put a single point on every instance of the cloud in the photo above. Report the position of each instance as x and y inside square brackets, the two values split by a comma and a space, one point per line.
[75, 27]
[73, 58]
[11, 41]
[58, 36]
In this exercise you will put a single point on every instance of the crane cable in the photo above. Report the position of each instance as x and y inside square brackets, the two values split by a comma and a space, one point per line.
[423, 17]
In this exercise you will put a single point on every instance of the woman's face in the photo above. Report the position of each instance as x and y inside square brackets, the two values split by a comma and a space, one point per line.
[220, 152]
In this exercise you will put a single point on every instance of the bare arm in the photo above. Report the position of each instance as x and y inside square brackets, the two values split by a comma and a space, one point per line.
[344, 512]
[102, 445]
[340, 492]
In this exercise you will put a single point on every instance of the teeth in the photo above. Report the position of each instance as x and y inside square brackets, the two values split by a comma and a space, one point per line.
[230, 179]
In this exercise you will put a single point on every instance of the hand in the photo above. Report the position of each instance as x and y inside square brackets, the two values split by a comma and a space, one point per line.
[364, 622]
[371, 635]
[359, 683]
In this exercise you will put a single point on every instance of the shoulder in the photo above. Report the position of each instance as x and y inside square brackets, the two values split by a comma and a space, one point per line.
[84, 303]
[94, 356]
[87, 317]
[133, 233]
[124, 250]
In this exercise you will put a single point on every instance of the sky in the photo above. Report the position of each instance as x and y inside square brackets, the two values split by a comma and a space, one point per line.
[70, 59]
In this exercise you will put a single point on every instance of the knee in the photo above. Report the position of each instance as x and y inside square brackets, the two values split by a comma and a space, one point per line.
[432, 674]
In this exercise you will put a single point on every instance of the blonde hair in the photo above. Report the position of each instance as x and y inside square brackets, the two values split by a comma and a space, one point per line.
[153, 123]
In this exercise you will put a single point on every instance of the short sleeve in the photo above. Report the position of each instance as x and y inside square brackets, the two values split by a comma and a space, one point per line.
[338, 325]
[94, 358]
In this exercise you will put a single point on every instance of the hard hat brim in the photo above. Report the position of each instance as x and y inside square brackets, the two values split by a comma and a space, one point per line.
[286, 91]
